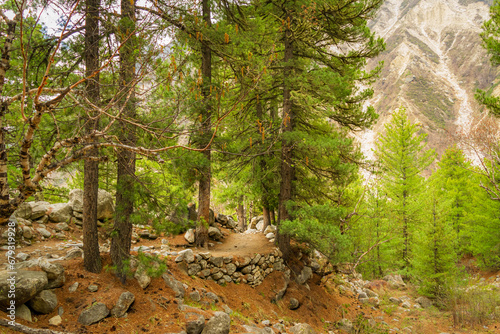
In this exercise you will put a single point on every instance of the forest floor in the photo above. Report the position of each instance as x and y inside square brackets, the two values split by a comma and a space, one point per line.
[156, 310]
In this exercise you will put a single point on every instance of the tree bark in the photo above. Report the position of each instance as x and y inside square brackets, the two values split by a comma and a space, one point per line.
[92, 258]
[241, 214]
[201, 235]
[122, 228]
[287, 170]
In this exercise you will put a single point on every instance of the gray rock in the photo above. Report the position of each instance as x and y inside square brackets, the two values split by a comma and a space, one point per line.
[231, 268]
[60, 212]
[174, 284]
[189, 236]
[302, 329]
[195, 296]
[270, 229]
[186, 255]
[74, 253]
[212, 296]
[38, 209]
[259, 226]
[270, 235]
[195, 326]
[193, 269]
[371, 293]
[214, 233]
[43, 220]
[294, 304]
[395, 300]
[256, 330]
[246, 270]
[23, 312]
[142, 277]
[105, 206]
[395, 281]
[26, 284]
[44, 232]
[305, 275]
[406, 304]
[94, 314]
[217, 261]
[55, 274]
[246, 261]
[73, 287]
[93, 288]
[44, 302]
[55, 321]
[27, 232]
[345, 324]
[362, 295]
[22, 256]
[227, 309]
[424, 302]
[62, 227]
[218, 324]
[23, 211]
[122, 305]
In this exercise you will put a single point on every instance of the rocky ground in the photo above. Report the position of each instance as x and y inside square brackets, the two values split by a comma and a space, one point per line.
[239, 285]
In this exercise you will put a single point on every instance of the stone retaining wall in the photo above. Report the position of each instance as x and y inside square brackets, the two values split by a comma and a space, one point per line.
[223, 270]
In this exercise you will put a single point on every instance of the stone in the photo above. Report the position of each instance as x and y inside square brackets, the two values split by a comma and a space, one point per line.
[424, 302]
[186, 255]
[122, 304]
[27, 284]
[217, 261]
[94, 314]
[406, 304]
[231, 268]
[259, 226]
[196, 325]
[174, 284]
[270, 235]
[93, 288]
[218, 275]
[23, 312]
[370, 293]
[142, 277]
[294, 304]
[304, 275]
[60, 212]
[61, 227]
[270, 229]
[44, 232]
[214, 233]
[218, 324]
[55, 321]
[227, 309]
[38, 209]
[43, 220]
[395, 281]
[212, 296]
[74, 253]
[23, 211]
[246, 270]
[256, 259]
[189, 236]
[395, 300]
[105, 206]
[27, 232]
[44, 302]
[193, 269]
[362, 295]
[55, 274]
[345, 324]
[195, 296]
[22, 256]
[73, 287]
[78, 215]
[302, 329]
[246, 261]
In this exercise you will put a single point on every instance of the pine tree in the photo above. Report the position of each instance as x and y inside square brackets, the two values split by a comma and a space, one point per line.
[402, 157]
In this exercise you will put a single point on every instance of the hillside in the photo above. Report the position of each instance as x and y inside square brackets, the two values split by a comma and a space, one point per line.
[433, 64]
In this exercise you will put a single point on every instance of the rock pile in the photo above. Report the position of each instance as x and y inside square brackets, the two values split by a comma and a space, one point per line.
[223, 270]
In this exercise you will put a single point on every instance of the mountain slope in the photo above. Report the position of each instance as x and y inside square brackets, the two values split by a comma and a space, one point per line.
[433, 63]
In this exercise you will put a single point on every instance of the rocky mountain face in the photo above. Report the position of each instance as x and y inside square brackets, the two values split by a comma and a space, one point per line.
[433, 64]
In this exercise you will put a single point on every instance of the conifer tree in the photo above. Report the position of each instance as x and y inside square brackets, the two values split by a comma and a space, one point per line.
[402, 157]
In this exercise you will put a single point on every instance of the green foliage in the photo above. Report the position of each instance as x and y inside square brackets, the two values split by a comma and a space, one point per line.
[155, 267]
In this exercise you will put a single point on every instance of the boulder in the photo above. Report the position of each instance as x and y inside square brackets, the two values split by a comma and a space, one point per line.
[195, 323]
[23, 211]
[212, 296]
[27, 285]
[345, 325]
[174, 284]
[55, 274]
[302, 329]
[254, 221]
[122, 305]
[60, 212]
[270, 229]
[304, 275]
[189, 236]
[270, 235]
[23, 312]
[186, 255]
[44, 302]
[105, 206]
[214, 233]
[142, 276]
[74, 253]
[38, 209]
[94, 314]
[260, 226]
[294, 304]
[195, 296]
[218, 324]
[44, 232]
[395, 281]
[62, 227]
[27, 232]
[424, 302]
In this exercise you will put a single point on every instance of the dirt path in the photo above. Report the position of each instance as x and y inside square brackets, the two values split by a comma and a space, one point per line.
[243, 244]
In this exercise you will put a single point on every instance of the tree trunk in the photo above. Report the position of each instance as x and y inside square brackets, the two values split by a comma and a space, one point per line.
[241, 215]
[92, 258]
[121, 240]
[201, 235]
[287, 171]
[263, 169]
